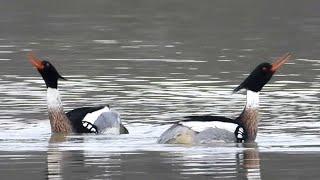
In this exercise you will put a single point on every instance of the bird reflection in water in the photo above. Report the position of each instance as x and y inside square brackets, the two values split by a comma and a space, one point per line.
[64, 163]
[55, 157]
[241, 163]
[250, 161]
[236, 161]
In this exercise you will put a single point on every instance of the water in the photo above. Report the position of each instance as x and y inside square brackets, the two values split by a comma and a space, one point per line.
[155, 61]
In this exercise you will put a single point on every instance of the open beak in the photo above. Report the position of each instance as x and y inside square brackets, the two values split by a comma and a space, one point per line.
[276, 65]
[35, 61]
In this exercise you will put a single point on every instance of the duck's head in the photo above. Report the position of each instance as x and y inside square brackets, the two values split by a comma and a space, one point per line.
[48, 72]
[261, 75]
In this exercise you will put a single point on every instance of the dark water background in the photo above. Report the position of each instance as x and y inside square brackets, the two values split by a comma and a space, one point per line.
[154, 61]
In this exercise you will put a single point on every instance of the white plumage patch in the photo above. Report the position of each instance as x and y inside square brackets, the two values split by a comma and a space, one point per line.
[92, 117]
[113, 130]
[53, 98]
[89, 126]
[199, 126]
[252, 99]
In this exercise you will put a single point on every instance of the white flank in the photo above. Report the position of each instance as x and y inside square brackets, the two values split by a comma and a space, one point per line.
[92, 117]
[202, 125]
[53, 98]
[113, 130]
[252, 99]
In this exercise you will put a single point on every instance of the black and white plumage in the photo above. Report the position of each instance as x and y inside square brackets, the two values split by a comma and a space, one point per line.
[214, 129]
[203, 130]
[97, 119]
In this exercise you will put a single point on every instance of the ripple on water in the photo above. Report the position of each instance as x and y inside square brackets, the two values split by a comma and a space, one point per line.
[152, 60]
[107, 41]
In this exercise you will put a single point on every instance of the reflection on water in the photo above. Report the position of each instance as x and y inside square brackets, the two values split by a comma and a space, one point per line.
[241, 163]
[155, 61]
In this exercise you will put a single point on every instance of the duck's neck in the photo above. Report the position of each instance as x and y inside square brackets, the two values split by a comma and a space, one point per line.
[58, 119]
[250, 116]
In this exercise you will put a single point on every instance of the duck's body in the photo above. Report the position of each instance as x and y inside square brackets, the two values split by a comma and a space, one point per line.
[100, 118]
[207, 130]
[216, 129]
[97, 119]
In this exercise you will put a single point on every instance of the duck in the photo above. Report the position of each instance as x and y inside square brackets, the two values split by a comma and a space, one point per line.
[90, 119]
[220, 129]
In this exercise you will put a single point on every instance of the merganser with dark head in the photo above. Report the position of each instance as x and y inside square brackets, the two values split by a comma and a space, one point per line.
[97, 119]
[211, 129]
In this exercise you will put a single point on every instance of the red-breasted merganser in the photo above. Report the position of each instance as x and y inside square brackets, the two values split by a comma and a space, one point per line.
[97, 119]
[211, 129]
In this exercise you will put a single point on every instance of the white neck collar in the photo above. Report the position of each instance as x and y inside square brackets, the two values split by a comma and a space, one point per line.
[252, 99]
[53, 98]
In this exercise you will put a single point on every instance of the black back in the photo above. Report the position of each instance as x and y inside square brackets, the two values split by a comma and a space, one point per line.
[240, 132]
[75, 116]
[209, 118]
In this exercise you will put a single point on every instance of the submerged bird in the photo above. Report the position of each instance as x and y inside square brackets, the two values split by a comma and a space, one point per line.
[97, 119]
[210, 129]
